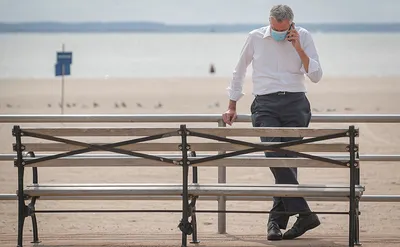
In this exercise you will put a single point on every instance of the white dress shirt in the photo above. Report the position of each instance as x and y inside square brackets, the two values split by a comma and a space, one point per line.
[276, 65]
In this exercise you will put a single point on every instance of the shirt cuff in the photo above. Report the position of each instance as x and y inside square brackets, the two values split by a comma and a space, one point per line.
[234, 95]
[313, 66]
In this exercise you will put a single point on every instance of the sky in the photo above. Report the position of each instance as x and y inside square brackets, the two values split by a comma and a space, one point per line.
[197, 11]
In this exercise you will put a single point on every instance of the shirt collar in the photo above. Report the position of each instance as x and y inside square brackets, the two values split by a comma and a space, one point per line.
[267, 32]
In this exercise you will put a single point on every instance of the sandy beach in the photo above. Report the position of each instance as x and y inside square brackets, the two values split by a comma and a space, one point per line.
[380, 222]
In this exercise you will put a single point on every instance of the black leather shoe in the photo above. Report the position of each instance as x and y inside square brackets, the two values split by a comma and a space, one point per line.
[274, 233]
[302, 224]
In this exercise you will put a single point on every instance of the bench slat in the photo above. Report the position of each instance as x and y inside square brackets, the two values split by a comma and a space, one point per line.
[167, 147]
[200, 190]
[364, 198]
[173, 185]
[228, 162]
[220, 131]
[178, 198]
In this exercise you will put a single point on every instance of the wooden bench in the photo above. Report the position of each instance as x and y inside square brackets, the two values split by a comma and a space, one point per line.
[184, 151]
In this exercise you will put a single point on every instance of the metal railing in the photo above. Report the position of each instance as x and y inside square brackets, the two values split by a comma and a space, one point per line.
[208, 118]
[174, 118]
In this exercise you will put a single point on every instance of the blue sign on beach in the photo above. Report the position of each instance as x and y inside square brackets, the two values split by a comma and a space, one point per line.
[64, 57]
[59, 69]
[64, 60]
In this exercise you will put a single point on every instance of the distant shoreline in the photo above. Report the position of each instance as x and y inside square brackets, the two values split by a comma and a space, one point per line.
[154, 27]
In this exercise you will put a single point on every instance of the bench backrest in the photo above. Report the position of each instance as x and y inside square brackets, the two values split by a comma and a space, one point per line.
[152, 141]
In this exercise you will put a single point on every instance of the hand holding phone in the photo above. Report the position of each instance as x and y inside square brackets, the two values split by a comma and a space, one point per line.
[294, 37]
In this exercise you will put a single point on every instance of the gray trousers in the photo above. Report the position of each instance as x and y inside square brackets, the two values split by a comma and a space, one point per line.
[282, 110]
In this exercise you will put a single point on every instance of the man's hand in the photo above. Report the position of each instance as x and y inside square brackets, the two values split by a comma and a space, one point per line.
[229, 116]
[294, 37]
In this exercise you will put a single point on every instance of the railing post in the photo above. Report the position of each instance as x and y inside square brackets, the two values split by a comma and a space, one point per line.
[31, 205]
[21, 200]
[353, 178]
[357, 182]
[185, 226]
[221, 199]
[193, 203]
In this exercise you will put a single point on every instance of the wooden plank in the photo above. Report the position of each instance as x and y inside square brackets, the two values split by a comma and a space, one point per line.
[179, 198]
[197, 189]
[228, 162]
[364, 198]
[173, 185]
[29, 186]
[220, 131]
[103, 131]
[168, 147]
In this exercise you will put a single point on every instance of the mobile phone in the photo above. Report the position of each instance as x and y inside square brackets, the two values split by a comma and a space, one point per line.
[290, 28]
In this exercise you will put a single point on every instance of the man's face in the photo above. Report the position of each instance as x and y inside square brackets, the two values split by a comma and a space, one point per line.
[279, 26]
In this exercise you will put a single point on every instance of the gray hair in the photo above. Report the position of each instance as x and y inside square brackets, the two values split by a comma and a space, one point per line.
[281, 12]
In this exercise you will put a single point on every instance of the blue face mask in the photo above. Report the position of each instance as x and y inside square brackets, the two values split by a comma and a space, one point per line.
[278, 36]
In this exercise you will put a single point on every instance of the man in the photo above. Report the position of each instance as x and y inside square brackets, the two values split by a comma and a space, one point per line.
[281, 54]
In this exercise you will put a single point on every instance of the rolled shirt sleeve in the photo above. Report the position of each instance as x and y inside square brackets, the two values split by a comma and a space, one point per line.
[235, 89]
[314, 66]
